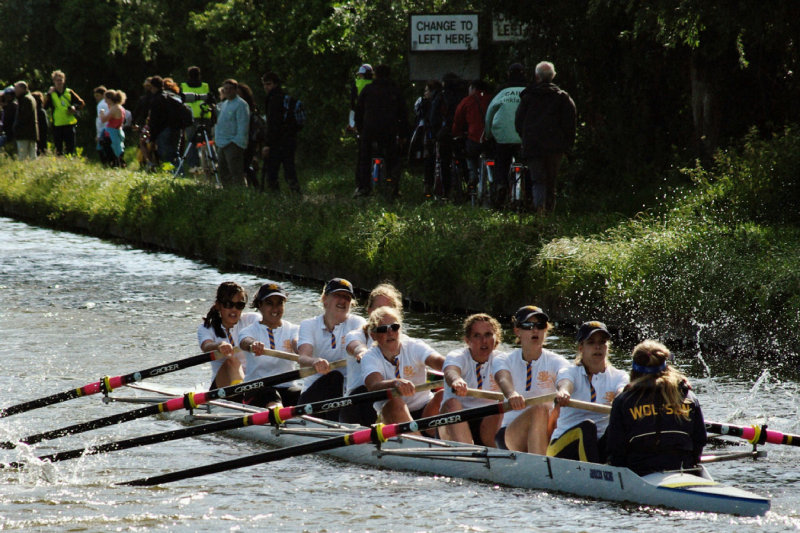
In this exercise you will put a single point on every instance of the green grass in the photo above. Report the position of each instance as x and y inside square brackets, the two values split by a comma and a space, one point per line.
[670, 262]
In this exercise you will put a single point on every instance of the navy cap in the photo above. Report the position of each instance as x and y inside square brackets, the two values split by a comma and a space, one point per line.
[524, 313]
[339, 285]
[588, 329]
[267, 290]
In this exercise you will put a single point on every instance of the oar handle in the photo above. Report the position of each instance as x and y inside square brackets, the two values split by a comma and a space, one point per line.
[281, 355]
[589, 406]
[498, 396]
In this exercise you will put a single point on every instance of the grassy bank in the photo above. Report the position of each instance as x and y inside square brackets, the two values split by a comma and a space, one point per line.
[688, 268]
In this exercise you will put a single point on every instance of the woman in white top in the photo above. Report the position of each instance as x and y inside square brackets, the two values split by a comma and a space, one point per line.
[471, 367]
[321, 341]
[358, 342]
[220, 330]
[527, 371]
[273, 333]
[580, 434]
[399, 363]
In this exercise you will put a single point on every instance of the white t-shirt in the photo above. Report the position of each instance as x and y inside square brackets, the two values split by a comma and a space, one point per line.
[606, 384]
[543, 375]
[207, 334]
[261, 366]
[462, 358]
[411, 366]
[99, 124]
[331, 347]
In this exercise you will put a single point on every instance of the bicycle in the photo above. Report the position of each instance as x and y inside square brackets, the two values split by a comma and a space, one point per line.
[207, 152]
[518, 180]
[481, 193]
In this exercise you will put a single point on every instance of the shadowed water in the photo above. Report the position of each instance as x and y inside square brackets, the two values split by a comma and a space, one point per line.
[75, 309]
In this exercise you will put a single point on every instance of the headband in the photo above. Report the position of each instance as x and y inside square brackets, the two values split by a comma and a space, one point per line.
[649, 369]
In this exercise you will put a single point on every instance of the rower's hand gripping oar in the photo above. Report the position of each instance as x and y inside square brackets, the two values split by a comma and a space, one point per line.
[188, 401]
[107, 384]
[275, 416]
[377, 434]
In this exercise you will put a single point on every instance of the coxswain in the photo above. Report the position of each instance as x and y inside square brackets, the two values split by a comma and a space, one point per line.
[656, 422]
[527, 371]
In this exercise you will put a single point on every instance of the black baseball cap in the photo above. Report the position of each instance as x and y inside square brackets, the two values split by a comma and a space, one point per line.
[588, 329]
[339, 285]
[269, 289]
[524, 313]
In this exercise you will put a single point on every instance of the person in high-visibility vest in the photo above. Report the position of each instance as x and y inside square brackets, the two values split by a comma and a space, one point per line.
[65, 104]
[201, 103]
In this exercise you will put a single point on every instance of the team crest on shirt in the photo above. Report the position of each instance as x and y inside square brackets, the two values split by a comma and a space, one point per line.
[408, 371]
[545, 378]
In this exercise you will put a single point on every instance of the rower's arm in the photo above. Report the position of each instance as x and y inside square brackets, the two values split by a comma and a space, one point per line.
[435, 361]
[564, 390]
[452, 376]
[505, 382]
[357, 349]
[306, 353]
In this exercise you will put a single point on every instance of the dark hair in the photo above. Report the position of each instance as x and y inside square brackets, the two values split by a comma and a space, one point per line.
[231, 81]
[225, 292]
[100, 89]
[434, 85]
[516, 75]
[382, 72]
[193, 73]
[271, 76]
[246, 94]
[479, 85]
[157, 82]
[39, 97]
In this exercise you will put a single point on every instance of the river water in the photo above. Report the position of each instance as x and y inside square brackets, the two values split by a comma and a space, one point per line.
[76, 308]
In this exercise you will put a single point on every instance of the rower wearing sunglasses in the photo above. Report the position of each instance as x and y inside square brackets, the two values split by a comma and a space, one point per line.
[399, 362]
[581, 434]
[220, 331]
[471, 367]
[525, 372]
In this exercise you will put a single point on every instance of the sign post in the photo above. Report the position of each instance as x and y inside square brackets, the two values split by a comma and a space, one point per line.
[439, 44]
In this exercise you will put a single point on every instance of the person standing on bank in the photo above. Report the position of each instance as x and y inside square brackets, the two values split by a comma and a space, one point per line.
[528, 371]
[231, 134]
[580, 434]
[200, 101]
[280, 143]
[656, 424]
[26, 123]
[382, 123]
[545, 121]
[65, 104]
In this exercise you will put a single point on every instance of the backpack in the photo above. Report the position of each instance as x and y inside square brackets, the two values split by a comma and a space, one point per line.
[293, 112]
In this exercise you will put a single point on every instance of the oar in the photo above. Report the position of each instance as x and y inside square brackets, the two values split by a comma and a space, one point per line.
[752, 434]
[498, 396]
[188, 401]
[107, 384]
[377, 434]
[275, 416]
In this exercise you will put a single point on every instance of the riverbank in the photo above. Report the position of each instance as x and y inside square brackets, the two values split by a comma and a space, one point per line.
[687, 270]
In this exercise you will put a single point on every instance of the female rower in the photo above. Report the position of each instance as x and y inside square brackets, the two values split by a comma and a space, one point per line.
[220, 330]
[273, 333]
[358, 342]
[399, 362]
[470, 367]
[656, 423]
[527, 371]
[321, 341]
[580, 434]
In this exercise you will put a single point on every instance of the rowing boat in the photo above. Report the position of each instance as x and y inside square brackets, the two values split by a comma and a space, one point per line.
[690, 491]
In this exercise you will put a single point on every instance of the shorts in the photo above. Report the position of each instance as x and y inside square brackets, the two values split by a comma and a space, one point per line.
[267, 395]
[500, 439]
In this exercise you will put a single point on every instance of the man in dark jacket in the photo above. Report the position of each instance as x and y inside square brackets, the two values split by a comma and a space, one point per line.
[280, 143]
[26, 123]
[545, 121]
[162, 122]
[381, 122]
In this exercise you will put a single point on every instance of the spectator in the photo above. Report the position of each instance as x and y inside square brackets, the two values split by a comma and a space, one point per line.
[281, 137]
[26, 124]
[41, 117]
[500, 127]
[142, 108]
[65, 104]
[162, 122]
[381, 122]
[99, 93]
[254, 137]
[468, 123]
[443, 109]
[230, 135]
[9, 98]
[363, 78]
[113, 121]
[433, 89]
[197, 95]
[545, 121]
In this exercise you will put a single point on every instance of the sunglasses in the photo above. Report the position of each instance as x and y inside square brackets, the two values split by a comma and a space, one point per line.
[238, 305]
[386, 327]
[533, 325]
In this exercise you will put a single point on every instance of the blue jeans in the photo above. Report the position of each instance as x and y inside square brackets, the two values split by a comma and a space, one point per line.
[167, 145]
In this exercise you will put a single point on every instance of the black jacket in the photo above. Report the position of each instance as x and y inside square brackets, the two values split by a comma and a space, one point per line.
[165, 110]
[646, 437]
[280, 126]
[26, 122]
[381, 112]
[545, 120]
